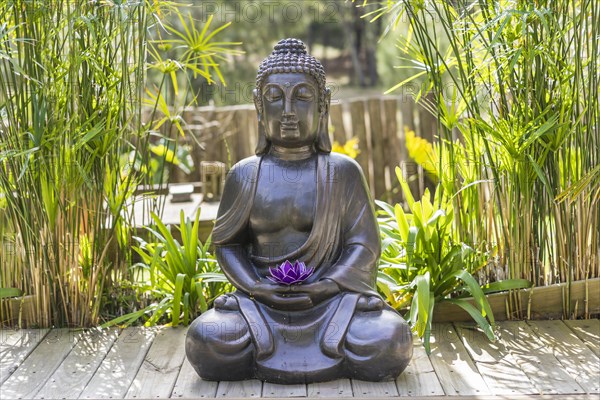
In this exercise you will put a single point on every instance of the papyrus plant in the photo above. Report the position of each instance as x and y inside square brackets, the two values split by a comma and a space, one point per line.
[74, 145]
[518, 82]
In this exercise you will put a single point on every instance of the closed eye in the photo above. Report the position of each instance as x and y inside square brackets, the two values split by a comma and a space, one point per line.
[273, 93]
[304, 93]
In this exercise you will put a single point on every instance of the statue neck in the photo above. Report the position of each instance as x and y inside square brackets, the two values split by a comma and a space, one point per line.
[292, 154]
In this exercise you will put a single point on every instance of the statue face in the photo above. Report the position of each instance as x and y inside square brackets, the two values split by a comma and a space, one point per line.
[290, 109]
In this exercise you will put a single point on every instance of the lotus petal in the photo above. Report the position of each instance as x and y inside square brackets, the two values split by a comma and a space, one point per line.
[277, 273]
[289, 274]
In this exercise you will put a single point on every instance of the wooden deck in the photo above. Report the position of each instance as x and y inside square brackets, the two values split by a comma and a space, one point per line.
[551, 358]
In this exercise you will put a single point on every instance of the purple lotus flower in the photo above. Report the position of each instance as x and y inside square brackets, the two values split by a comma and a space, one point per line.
[290, 274]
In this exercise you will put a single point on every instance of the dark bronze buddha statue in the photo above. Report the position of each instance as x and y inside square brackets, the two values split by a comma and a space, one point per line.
[295, 201]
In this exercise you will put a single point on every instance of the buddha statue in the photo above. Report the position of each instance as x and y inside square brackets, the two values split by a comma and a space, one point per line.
[296, 235]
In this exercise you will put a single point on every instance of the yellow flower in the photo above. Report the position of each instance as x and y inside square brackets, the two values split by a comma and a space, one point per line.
[421, 151]
[163, 151]
[350, 148]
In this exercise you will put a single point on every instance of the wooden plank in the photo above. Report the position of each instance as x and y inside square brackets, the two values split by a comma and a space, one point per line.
[247, 388]
[252, 131]
[497, 366]
[119, 368]
[15, 346]
[273, 390]
[357, 112]
[158, 373]
[73, 374]
[224, 138]
[336, 388]
[454, 367]
[336, 115]
[374, 389]
[378, 143]
[419, 378]
[391, 150]
[33, 373]
[536, 360]
[588, 330]
[408, 166]
[247, 131]
[545, 302]
[236, 140]
[427, 121]
[577, 359]
[407, 108]
[190, 386]
[212, 137]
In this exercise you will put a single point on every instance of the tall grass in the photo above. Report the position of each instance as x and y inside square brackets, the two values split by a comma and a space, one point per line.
[73, 146]
[515, 88]
[70, 80]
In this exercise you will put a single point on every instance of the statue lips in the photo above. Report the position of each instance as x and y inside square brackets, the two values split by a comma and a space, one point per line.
[290, 128]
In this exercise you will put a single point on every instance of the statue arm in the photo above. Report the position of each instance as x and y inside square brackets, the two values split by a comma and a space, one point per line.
[356, 268]
[229, 233]
[236, 267]
[241, 273]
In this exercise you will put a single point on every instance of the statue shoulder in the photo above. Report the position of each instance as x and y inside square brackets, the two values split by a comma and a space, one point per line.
[244, 171]
[238, 186]
[345, 165]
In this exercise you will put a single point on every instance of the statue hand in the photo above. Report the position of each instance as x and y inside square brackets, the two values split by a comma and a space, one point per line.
[280, 297]
[317, 291]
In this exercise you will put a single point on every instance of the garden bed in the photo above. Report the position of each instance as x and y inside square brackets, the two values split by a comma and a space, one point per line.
[545, 302]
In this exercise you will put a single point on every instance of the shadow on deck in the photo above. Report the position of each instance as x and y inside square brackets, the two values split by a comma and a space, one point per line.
[534, 359]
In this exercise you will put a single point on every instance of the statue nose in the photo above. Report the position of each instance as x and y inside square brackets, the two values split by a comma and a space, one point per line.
[288, 117]
[288, 108]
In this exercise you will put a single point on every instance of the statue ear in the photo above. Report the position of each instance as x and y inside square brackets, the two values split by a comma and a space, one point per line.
[323, 142]
[262, 146]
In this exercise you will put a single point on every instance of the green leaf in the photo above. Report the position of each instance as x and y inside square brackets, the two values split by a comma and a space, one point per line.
[423, 282]
[127, 319]
[187, 309]
[508, 284]
[405, 189]
[435, 217]
[388, 209]
[404, 82]
[413, 232]
[201, 299]
[427, 336]
[477, 292]
[209, 277]
[177, 297]
[402, 222]
[476, 315]
[10, 292]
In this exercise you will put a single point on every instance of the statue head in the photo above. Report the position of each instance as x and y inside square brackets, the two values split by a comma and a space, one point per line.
[291, 99]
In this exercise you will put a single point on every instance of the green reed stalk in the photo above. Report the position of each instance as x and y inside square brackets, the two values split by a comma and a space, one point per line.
[75, 142]
[520, 81]
[70, 80]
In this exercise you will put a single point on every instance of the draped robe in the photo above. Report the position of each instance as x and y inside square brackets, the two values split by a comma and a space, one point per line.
[343, 246]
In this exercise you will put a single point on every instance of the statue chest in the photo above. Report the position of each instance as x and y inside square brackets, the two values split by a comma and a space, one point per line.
[285, 199]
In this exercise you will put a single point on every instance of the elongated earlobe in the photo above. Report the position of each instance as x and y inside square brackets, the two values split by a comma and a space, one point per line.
[323, 143]
[262, 145]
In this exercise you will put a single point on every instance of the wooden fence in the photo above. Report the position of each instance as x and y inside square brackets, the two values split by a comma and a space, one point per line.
[229, 134]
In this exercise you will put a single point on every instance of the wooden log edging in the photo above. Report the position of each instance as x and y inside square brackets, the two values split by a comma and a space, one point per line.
[544, 302]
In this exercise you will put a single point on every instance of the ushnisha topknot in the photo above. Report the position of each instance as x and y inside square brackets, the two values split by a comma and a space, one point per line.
[288, 56]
